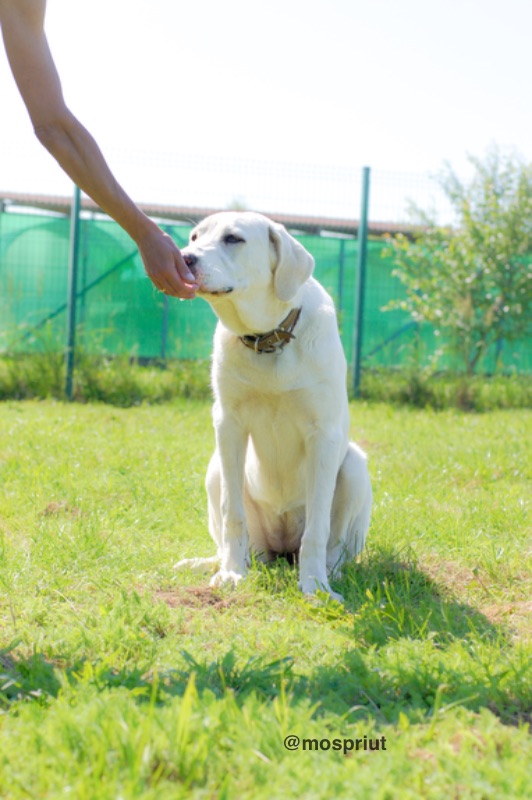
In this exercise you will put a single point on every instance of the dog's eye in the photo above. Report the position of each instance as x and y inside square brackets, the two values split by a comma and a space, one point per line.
[193, 237]
[231, 238]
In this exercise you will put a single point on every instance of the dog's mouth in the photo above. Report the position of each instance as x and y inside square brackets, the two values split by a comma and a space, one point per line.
[215, 292]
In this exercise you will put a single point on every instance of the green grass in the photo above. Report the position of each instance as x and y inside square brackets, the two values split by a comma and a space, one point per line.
[121, 678]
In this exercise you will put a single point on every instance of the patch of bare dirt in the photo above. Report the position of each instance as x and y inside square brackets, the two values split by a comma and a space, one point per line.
[499, 611]
[196, 597]
[458, 579]
[61, 507]
[453, 576]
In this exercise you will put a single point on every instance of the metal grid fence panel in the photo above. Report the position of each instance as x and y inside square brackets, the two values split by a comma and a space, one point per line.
[119, 312]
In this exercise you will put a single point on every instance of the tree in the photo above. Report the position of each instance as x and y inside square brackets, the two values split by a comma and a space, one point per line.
[474, 277]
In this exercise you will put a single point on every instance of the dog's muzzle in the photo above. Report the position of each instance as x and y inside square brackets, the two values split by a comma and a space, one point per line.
[192, 263]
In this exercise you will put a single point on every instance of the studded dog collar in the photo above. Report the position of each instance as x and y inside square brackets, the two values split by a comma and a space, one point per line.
[273, 341]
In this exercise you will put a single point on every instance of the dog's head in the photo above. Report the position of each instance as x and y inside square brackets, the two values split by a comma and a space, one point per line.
[243, 256]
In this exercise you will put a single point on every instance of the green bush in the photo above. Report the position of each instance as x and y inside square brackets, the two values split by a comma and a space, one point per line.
[472, 279]
[423, 389]
[125, 382]
[119, 381]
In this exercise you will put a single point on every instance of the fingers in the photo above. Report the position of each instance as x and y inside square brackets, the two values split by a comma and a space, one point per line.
[175, 278]
[186, 275]
[166, 268]
[187, 280]
[173, 284]
[183, 292]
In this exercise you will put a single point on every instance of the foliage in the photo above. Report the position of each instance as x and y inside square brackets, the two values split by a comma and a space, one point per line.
[474, 278]
[120, 381]
[124, 382]
[423, 388]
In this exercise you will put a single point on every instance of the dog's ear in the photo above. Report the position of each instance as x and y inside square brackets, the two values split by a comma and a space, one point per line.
[294, 264]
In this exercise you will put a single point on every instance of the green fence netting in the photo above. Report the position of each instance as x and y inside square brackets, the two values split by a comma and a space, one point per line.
[119, 311]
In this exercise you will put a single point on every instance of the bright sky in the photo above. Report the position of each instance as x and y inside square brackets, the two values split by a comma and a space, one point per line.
[170, 88]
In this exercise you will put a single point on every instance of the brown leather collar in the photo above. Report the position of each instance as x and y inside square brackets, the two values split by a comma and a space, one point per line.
[273, 341]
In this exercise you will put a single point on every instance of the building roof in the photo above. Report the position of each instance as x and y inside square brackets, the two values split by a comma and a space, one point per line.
[193, 214]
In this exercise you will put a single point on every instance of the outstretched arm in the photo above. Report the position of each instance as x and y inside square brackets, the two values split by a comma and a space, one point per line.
[74, 148]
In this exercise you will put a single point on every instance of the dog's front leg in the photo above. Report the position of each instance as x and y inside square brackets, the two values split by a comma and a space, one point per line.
[231, 440]
[322, 459]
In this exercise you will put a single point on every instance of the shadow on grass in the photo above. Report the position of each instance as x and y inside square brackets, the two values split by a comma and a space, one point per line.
[412, 648]
[394, 599]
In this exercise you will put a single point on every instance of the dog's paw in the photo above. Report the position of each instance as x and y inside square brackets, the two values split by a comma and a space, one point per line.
[198, 564]
[226, 576]
[311, 586]
[336, 596]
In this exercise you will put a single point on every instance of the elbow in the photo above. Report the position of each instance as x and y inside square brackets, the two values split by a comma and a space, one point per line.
[49, 135]
[55, 132]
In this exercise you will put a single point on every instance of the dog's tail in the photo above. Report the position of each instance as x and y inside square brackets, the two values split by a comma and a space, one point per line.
[198, 564]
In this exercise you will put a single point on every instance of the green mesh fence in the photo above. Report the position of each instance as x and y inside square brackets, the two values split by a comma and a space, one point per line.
[119, 311]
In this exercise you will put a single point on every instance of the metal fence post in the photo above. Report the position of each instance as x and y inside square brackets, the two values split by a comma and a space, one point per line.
[164, 328]
[360, 280]
[73, 262]
[341, 270]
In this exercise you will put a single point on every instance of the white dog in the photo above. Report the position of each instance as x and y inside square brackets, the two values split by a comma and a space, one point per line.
[284, 477]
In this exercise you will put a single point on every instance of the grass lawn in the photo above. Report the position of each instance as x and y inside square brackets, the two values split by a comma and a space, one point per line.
[121, 679]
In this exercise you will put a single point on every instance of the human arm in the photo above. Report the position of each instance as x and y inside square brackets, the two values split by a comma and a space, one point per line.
[75, 149]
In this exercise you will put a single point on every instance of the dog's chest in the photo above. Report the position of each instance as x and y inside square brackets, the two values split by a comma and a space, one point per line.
[276, 449]
[271, 416]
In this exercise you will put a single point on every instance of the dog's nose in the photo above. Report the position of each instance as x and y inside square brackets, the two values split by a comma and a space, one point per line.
[191, 261]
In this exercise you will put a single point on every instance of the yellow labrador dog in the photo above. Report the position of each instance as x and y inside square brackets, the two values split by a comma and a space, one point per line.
[284, 477]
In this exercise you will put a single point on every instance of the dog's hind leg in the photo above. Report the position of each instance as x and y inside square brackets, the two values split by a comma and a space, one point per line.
[351, 511]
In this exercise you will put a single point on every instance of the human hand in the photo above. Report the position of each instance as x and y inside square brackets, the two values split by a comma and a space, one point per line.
[165, 266]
